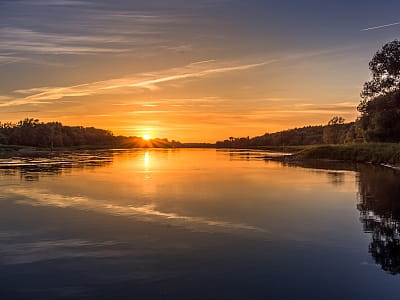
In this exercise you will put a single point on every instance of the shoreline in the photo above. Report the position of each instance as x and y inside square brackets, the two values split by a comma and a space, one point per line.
[297, 158]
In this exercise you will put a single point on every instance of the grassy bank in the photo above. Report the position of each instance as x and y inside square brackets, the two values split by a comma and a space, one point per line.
[385, 153]
[283, 149]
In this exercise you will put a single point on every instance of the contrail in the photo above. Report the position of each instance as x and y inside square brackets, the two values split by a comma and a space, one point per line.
[379, 27]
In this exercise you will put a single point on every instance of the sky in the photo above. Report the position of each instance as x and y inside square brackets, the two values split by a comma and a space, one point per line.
[193, 71]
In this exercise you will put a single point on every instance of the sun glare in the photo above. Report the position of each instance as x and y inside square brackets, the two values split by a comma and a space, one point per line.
[146, 137]
[146, 160]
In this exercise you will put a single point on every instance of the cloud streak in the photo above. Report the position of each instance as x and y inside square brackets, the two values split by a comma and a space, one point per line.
[55, 3]
[143, 81]
[26, 41]
[381, 26]
[90, 29]
[9, 59]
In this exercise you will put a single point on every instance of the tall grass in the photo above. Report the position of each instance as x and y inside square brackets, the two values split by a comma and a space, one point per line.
[372, 152]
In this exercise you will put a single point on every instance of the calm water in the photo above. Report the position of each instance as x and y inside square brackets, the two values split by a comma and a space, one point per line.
[196, 224]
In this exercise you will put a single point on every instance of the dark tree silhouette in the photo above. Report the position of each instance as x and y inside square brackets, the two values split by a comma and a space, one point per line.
[385, 69]
[380, 104]
[334, 132]
[31, 132]
[380, 119]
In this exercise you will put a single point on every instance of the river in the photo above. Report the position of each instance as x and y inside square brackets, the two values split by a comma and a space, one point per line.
[196, 224]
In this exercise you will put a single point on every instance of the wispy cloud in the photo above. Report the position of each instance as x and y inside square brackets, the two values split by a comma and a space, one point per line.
[381, 26]
[203, 62]
[55, 2]
[150, 83]
[3, 98]
[144, 81]
[90, 28]
[9, 59]
[26, 41]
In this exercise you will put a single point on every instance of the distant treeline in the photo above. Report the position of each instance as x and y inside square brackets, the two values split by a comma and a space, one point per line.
[32, 132]
[308, 135]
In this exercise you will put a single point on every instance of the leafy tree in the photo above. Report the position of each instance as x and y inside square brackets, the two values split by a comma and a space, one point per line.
[380, 104]
[355, 134]
[337, 120]
[380, 120]
[335, 132]
[385, 69]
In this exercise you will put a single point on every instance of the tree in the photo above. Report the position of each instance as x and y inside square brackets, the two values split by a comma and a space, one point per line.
[385, 69]
[380, 119]
[335, 132]
[380, 104]
[355, 133]
[337, 120]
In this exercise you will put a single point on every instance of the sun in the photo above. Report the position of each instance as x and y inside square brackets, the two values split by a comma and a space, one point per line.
[146, 136]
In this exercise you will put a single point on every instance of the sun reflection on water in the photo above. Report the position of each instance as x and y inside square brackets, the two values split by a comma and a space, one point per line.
[146, 160]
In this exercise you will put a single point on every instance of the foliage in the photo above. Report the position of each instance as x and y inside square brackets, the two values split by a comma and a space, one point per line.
[385, 69]
[380, 119]
[335, 132]
[354, 134]
[337, 120]
[380, 106]
[298, 136]
[367, 152]
[309, 135]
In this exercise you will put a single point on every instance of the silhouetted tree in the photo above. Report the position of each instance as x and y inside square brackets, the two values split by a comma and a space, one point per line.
[334, 132]
[380, 104]
[31, 132]
[385, 69]
[354, 134]
[380, 119]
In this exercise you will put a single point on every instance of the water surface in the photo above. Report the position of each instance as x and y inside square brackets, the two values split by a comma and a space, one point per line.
[196, 224]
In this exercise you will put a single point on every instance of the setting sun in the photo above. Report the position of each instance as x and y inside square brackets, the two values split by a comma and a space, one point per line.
[146, 137]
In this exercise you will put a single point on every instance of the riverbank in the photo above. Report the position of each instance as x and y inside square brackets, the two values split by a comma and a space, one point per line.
[387, 154]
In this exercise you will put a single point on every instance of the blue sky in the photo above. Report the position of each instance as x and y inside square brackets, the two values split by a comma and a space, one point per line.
[188, 70]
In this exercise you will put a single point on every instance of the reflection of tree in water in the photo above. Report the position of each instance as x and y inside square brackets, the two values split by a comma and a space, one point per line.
[336, 178]
[379, 205]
